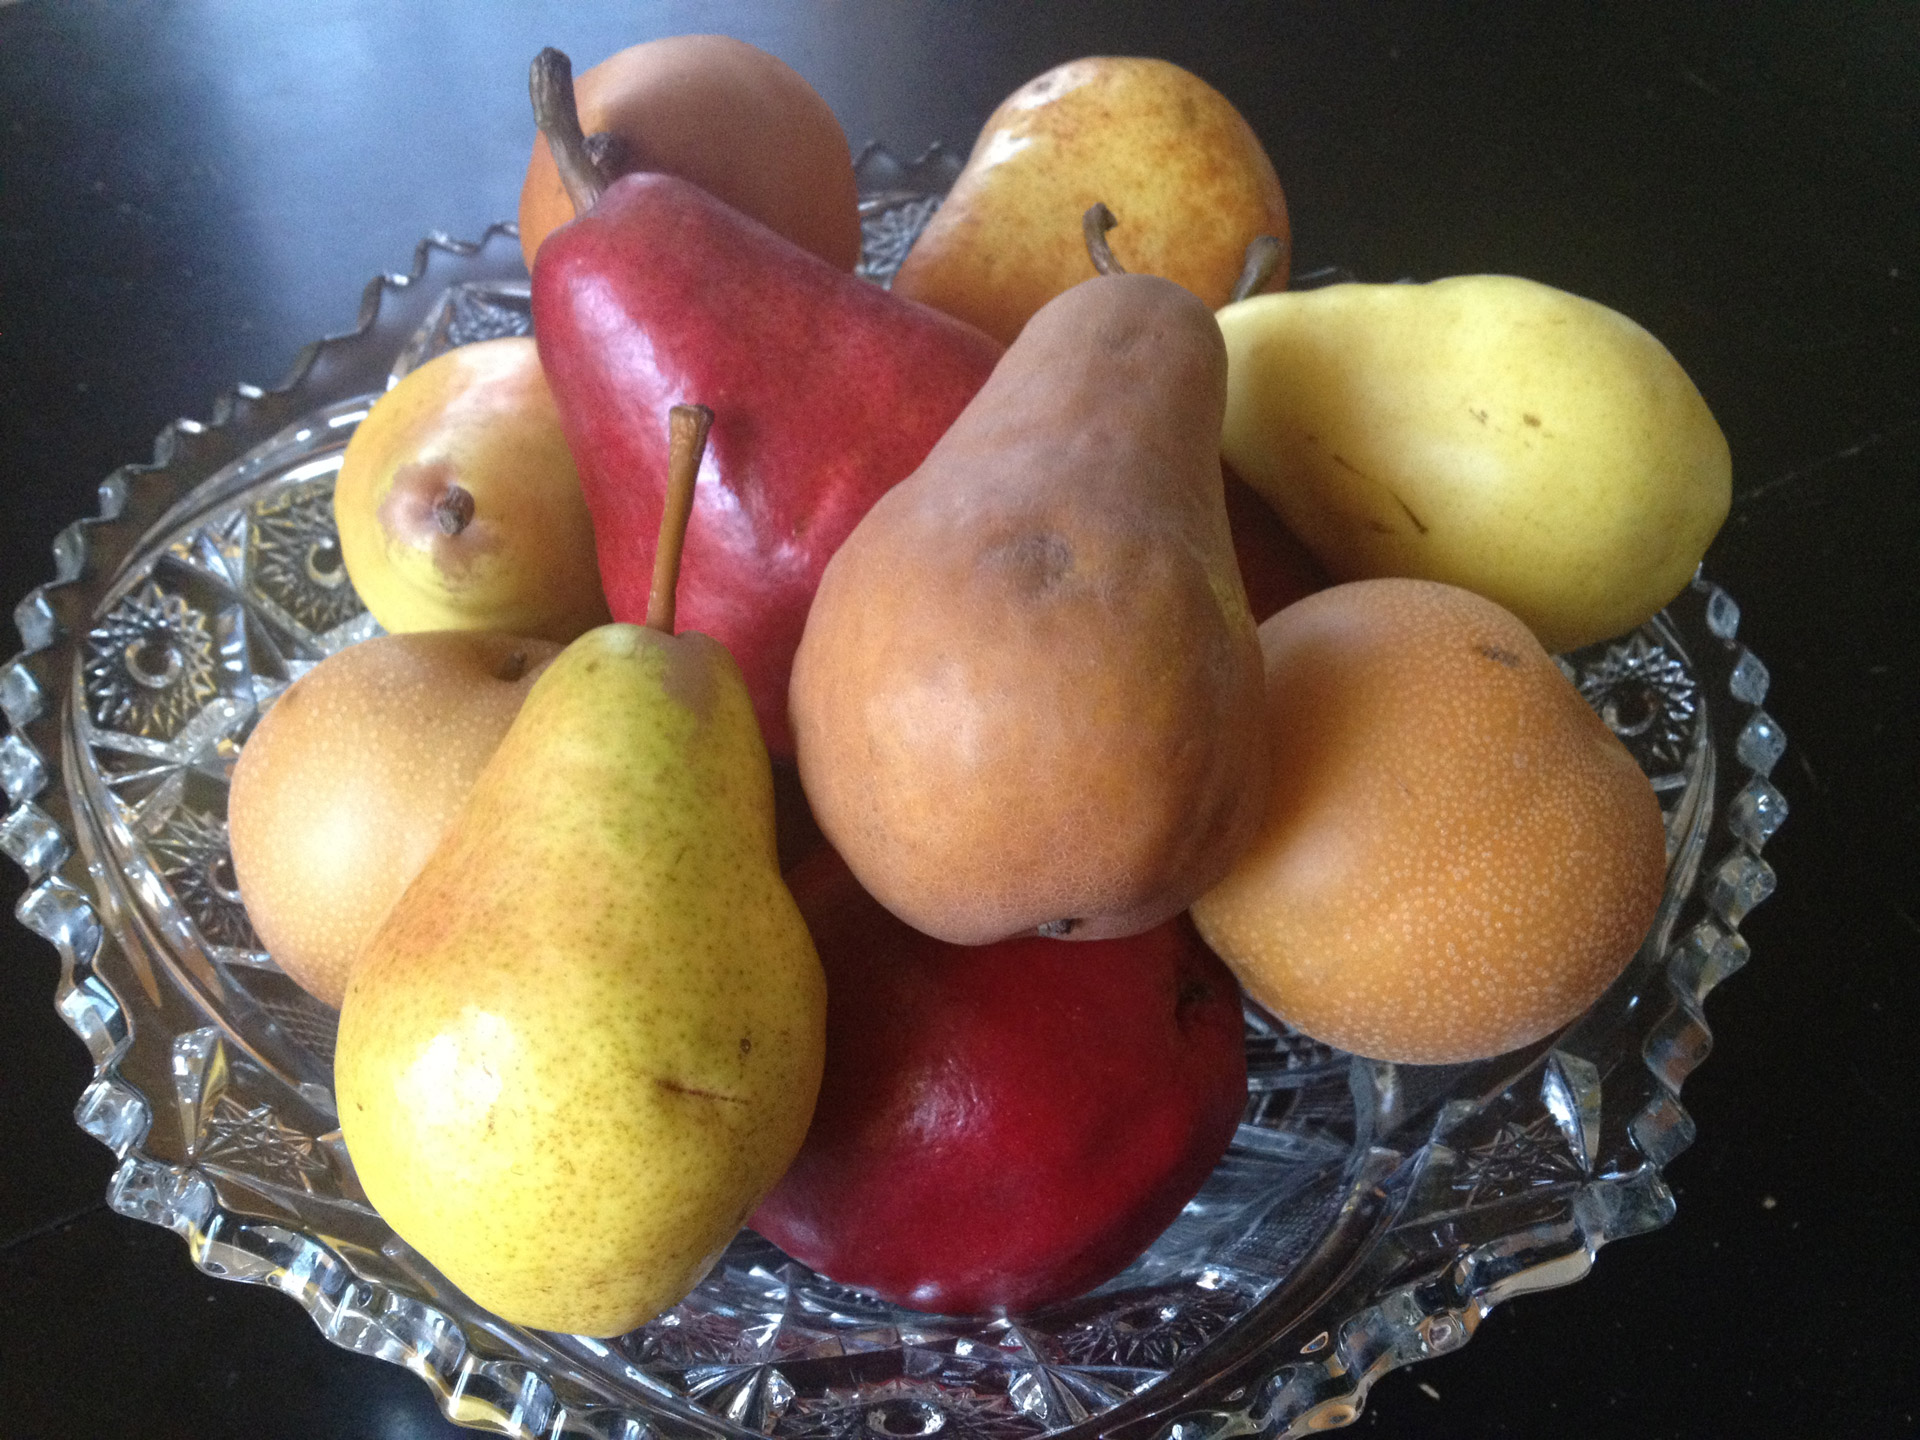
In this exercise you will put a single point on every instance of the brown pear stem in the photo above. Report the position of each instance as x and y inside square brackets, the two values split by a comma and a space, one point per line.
[1266, 254]
[1094, 225]
[453, 511]
[687, 427]
[558, 115]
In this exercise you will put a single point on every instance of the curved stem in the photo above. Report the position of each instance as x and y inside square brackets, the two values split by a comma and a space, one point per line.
[550, 83]
[687, 427]
[1267, 255]
[1094, 225]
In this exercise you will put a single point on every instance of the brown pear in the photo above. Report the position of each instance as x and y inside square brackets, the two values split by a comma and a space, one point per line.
[349, 781]
[1029, 692]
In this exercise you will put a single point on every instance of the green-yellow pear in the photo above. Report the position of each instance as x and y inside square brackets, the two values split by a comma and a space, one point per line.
[1486, 431]
[1185, 174]
[349, 781]
[589, 1036]
[458, 504]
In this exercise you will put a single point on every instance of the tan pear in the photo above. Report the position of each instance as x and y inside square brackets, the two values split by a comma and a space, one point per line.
[1028, 695]
[1183, 172]
[346, 785]
[741, 124]
[1458, 855]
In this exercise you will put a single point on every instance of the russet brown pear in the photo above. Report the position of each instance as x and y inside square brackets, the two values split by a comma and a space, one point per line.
[1029, 693]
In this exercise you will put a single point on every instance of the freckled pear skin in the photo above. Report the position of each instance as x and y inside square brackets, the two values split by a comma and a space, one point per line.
[589, 1036]
[1458, 855]
[1029, 688]
[347, 784]
[734, 120]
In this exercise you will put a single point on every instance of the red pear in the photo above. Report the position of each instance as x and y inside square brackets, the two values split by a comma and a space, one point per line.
[1008, 1125]
[826, 389]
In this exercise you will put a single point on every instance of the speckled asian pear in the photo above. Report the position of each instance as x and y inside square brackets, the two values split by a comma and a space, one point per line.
[741, 124]
[1486, 431]
[347, 784]
[589, 1036]
[1458, 856]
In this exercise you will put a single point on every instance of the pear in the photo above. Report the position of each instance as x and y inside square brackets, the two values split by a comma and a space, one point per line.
[741, 124]
[1028, 695]
[1485, 431]
[346, 785]
[458, 504]
[1458, 855]
[1187, 176]
[589, 1036]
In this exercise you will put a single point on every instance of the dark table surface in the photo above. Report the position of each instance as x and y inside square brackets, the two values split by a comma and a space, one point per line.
[192, 189]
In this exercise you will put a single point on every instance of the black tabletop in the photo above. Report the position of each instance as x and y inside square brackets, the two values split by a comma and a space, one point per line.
[190, 190]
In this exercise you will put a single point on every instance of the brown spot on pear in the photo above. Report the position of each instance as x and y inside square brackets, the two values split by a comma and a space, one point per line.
[349, 781]
[1458, 856]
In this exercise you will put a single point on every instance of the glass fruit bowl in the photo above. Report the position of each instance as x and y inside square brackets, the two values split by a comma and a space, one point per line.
[1367, 1214]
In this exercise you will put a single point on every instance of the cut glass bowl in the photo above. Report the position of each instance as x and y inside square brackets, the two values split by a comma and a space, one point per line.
[1367, 1214]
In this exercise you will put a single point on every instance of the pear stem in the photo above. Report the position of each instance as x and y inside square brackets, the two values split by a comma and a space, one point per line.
[555, 111]
[687, 427]
[1266, 256]
[1094, 225]
[453, 511]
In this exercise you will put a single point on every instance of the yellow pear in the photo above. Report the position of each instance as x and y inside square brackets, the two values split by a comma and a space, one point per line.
[346, 785]
[1185, 175]
[1486, 431]
[458, 504]
[589, 1036]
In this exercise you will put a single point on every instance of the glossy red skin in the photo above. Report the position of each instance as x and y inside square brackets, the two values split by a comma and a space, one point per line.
[825, 390]
[1008, 1125]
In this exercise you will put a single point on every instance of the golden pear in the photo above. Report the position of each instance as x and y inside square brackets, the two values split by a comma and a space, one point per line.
[1166, 152]
[589, 1037]
[458, 504]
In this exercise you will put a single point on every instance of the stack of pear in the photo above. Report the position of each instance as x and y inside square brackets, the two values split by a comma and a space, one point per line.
[1029, 691]
[589, 1036]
